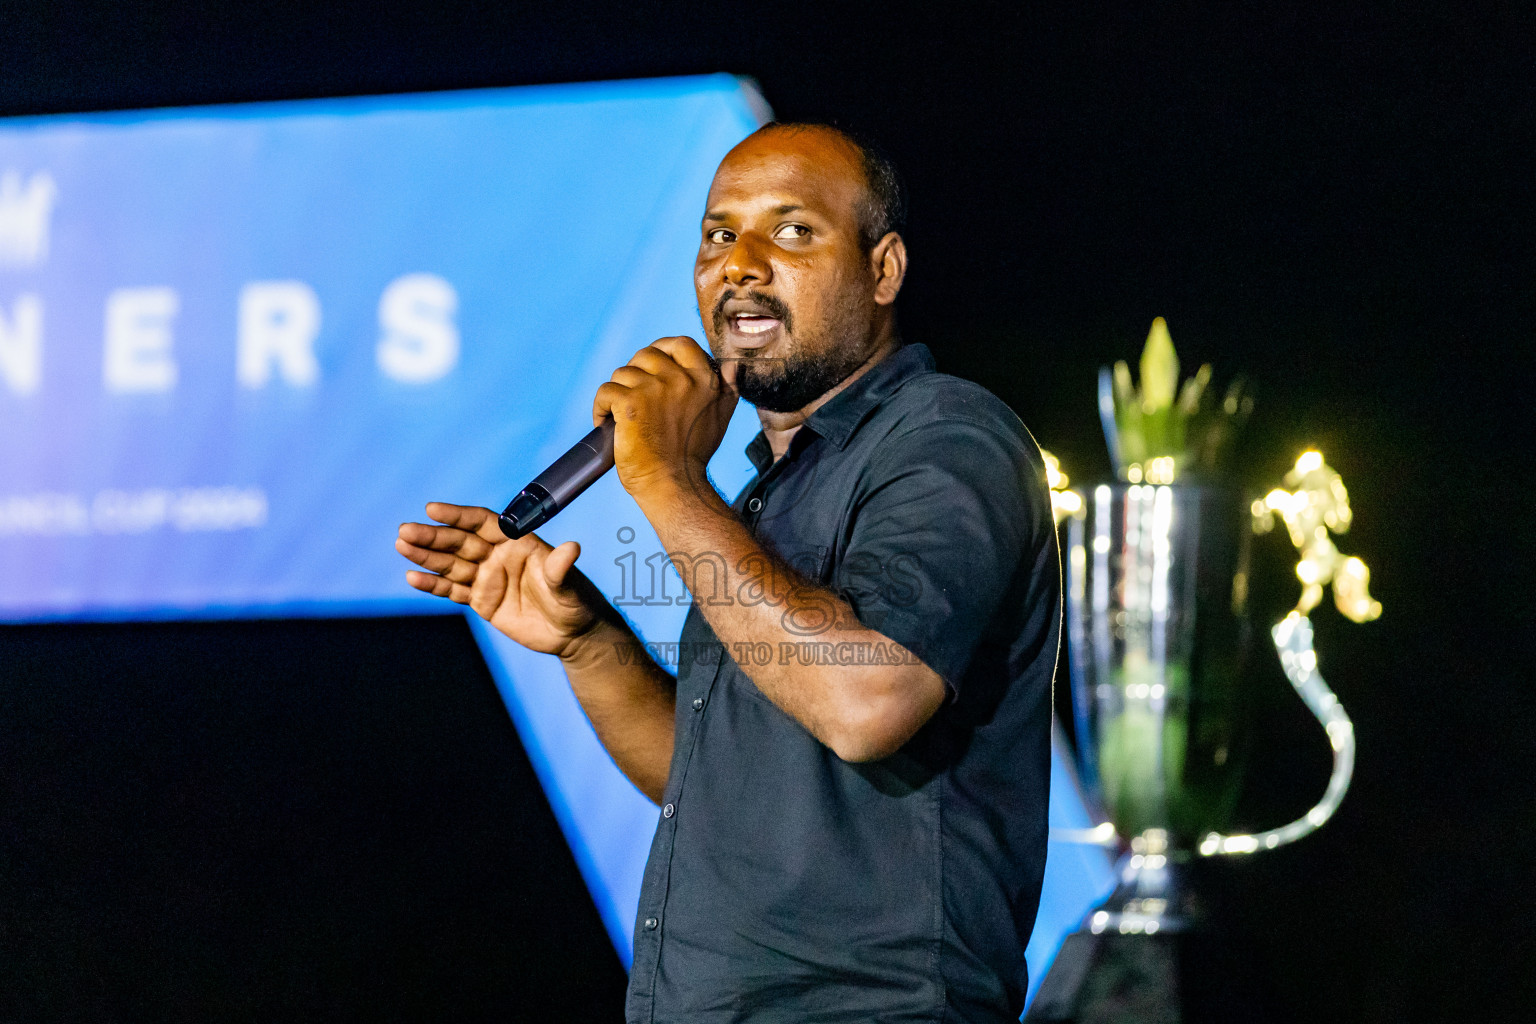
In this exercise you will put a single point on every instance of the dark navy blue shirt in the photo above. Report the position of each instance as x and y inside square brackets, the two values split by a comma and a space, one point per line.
[785, 884]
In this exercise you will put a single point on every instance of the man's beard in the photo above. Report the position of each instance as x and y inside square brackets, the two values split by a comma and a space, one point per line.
[785, 385]
[795, 381]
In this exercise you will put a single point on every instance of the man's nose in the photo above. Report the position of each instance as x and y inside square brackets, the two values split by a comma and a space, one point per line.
[747, 263]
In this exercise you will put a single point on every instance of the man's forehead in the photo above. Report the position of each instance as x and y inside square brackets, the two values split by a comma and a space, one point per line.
[772, 169]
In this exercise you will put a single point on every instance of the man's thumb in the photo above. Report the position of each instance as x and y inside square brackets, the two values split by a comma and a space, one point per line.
[557, 564]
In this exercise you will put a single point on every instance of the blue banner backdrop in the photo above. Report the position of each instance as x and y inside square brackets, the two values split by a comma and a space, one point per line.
[239, 344]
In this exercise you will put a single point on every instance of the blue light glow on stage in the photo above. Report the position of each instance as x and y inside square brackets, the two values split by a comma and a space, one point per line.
[239, 345]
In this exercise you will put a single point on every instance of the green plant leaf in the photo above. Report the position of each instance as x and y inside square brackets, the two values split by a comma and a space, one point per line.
[1159, 369]
[1193, 391]
[1125, 391]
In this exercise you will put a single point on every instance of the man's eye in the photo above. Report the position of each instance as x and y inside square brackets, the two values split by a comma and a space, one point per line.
[792, 231]
[721, 236]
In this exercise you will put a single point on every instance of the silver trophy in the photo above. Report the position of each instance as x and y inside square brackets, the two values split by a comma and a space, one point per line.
[1158, 629]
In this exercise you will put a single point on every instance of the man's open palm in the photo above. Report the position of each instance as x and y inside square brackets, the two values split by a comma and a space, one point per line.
[530, 591]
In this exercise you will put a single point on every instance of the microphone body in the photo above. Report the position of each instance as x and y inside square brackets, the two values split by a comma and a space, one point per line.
[556, 487]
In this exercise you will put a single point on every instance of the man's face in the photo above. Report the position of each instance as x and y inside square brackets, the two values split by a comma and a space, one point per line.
[785, 288]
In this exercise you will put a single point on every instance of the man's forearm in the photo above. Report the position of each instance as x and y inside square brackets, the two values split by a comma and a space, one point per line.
[628, 698]
[862, 712]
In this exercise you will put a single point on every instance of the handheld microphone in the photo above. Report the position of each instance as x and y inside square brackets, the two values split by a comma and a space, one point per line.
[558, 486]
[566, 477]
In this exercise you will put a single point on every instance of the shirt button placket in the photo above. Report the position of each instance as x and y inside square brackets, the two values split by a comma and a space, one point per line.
[652, 924]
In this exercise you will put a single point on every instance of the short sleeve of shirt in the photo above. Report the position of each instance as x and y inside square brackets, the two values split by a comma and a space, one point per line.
[945, 515]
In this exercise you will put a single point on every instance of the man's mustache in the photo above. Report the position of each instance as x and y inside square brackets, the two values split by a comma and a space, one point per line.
[769, 304]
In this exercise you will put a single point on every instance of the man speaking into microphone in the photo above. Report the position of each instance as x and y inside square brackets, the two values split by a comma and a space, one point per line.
[853, 828]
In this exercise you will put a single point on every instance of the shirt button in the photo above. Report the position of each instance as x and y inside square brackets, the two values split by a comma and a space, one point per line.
[669, 810]
[755, 505]
[698, 703]
[651, 923]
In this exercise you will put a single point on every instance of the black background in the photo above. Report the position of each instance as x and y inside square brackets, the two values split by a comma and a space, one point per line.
[234, 821]
[1334, 202]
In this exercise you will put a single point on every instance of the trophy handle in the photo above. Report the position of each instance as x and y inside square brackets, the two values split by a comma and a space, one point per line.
[1293, 642]
[1315, 505]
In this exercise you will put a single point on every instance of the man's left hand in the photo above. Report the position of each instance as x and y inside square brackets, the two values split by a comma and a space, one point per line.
[670, 409]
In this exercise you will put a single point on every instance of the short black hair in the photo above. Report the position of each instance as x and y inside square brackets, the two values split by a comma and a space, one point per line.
[884, 208]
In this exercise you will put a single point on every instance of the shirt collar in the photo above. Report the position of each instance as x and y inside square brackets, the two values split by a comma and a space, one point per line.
[841, 415]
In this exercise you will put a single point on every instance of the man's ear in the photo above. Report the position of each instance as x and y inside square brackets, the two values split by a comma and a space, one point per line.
[888, 262]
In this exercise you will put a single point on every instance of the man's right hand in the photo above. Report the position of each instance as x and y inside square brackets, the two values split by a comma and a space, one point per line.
[530, 591]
